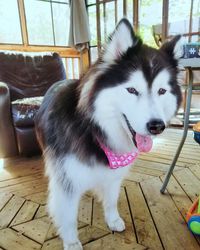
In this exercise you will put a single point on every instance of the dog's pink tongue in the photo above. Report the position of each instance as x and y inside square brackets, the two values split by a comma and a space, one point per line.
[144, 143]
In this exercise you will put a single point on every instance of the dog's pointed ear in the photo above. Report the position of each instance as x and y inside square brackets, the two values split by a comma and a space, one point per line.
[174, 47]
[121, 39]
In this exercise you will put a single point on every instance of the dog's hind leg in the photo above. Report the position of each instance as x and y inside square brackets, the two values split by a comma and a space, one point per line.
[110, 198]
[63, 207]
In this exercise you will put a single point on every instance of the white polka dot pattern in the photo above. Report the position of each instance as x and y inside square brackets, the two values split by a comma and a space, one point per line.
[119, 160]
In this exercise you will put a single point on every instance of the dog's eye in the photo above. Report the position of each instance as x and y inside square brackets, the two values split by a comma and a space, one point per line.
[133, 91]
[162, 91]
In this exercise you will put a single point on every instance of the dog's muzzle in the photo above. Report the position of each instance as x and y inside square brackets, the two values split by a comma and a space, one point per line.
[155, 126]
[142, 143]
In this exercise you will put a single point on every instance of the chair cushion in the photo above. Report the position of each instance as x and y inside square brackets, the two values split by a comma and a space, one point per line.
[24, 111]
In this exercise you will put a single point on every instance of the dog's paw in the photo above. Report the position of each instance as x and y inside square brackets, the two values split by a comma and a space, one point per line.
[117, 225]
[74, 246]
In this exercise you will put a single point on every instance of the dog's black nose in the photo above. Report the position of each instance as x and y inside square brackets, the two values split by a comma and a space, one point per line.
[155, 126]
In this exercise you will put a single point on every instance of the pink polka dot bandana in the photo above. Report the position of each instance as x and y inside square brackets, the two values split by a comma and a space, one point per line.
[144, 144]
[119, 160]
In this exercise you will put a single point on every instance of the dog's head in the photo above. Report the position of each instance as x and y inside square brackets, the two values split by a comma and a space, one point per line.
[133, 88]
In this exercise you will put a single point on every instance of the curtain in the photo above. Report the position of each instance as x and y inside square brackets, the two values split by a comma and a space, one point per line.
[79, 34]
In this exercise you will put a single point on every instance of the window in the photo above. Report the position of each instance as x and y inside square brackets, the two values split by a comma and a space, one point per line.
[103, 16]
[154, 20]
[10, 34]
[196, 20]
[179, 18]
[61, 14]
[39, 23]
[147, 20]
[184, 20]
[107, 19]
[47, 22]
[93, 25]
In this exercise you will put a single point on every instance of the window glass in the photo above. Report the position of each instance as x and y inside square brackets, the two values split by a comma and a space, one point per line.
[93, 24]
[102, 22]
[93, 54]
[178, 17]
[76, 68]
[196, 20]
[195, 38]
[119, 9]
[69, 68]
[109, 18]
[64, 63]
[10, 29]
[60, 1]
[39, 22]
[147, 19]
[91, 1]
[61, 16]
[130, 10]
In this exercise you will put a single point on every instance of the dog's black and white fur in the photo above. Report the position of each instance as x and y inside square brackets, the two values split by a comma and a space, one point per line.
[130, 80]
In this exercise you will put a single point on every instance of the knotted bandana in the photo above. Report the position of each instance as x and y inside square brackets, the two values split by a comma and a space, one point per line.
[116, 160]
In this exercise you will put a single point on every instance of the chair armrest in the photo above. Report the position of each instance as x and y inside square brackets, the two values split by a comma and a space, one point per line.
[8, 146]
[3, 88]
[4, 101]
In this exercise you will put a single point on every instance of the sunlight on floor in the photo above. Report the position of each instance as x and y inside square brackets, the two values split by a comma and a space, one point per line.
[1, 163]
[158, 140]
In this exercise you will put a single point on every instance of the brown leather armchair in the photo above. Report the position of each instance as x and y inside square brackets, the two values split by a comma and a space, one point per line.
[24, 79]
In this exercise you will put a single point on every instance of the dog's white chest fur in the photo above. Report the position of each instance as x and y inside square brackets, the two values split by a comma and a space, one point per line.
[87, 177]
[63, 206]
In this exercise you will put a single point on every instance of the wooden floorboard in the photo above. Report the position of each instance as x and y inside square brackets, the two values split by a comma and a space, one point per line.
[153, 221]
[167, 218]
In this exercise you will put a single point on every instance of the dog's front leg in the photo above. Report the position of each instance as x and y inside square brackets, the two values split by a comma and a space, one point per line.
[69, 232]
[110, 198]
[63, 207]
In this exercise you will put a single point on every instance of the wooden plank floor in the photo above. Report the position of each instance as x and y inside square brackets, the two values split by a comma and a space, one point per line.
[153, 221]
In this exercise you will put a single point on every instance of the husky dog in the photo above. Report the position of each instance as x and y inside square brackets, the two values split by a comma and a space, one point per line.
[92, 129]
